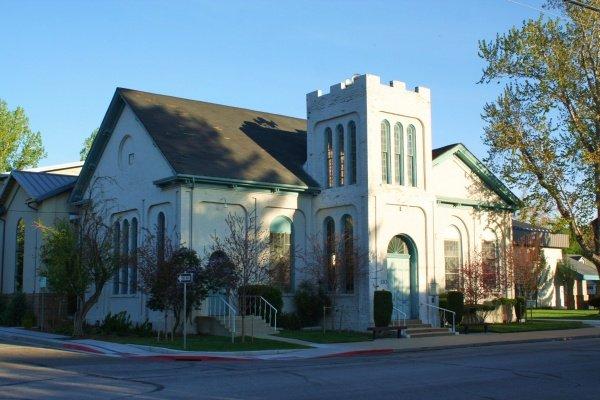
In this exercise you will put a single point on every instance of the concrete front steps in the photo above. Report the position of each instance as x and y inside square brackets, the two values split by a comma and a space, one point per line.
[417, 329]
[253, 325]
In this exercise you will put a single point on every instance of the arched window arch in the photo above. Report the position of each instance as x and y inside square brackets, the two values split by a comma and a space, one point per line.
[452, 257]
[280, 246]
[349, 258]
[399, 154]
[351, 152]
[19, 255]
[329, 157]
[117, 252]
[134, 254]
[329, 228]
[124, 269]
[411, 155]
[385, 152]
[341, 155]
[161, 224]
[490, 258]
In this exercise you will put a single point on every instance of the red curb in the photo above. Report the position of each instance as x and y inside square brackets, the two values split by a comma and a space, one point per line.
[81, 347]
[184, 357]
[360, 353]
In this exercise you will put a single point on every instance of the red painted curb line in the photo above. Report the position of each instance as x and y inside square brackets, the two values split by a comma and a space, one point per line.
[81, 347]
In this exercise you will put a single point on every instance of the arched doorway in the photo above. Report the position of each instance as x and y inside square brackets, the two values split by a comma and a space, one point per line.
[401, 263]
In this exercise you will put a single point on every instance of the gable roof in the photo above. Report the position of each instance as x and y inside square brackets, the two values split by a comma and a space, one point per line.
[206, 140]
[491, 181]
[38, 185]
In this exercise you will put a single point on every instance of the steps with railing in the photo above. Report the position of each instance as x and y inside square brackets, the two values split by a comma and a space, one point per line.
[222, 309]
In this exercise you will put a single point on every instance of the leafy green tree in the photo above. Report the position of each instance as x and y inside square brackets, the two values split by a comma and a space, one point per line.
[87, 145]
[19, 146]
[543, 131]
[78, 256]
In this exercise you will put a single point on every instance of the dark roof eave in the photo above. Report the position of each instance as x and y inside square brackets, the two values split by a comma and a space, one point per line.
[236, 183]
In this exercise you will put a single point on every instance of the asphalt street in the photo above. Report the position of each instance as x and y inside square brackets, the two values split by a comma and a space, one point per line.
[549, 370]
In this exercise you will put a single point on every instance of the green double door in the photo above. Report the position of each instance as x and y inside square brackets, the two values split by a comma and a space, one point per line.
[398, 271]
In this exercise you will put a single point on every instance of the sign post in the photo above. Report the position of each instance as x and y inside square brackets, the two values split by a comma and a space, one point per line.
[185, 278]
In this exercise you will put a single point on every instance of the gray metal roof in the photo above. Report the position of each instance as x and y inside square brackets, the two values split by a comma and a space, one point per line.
[39, 185]
[584, 267]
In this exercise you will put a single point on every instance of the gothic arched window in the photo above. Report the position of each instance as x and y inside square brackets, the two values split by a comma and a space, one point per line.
[341, 154]
[280, 246]
[399, 154]
[385, 152]
[349, 255]
[411, 155]
[352, 153]
[329, 157]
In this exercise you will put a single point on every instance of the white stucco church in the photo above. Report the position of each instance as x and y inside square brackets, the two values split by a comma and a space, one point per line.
[360, 165]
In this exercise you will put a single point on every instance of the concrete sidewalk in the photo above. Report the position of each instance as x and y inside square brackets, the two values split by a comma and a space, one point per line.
[379, 346]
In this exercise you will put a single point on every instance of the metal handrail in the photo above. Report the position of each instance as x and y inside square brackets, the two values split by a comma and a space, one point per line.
[224, 311]
[262, 308]
[445, 310]
[397, 310]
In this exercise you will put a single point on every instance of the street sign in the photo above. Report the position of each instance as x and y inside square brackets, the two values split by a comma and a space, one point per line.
[186, 277]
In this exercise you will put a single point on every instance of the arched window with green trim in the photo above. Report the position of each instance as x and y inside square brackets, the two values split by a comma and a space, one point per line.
[124, 269]
[161, 226]
[399, 154]
[117, 252]
[280, 246]
[329, 247]
[349, 257]
[329, 157]
[411, 155]
[385, 152]
[351, 152]
[134, 255]
[19, 255]
[341, 155]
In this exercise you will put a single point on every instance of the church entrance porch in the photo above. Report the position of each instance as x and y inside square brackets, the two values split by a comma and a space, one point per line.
[401, 264]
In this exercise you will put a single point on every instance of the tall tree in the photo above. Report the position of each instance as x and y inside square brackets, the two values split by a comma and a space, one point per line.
[87, 145]
[543, 131]
[79, 258]
[19, 146]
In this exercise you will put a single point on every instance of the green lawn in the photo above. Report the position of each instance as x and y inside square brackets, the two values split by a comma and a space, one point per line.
[564, 314]
[328, 336]
[531, 326]
[204, 343]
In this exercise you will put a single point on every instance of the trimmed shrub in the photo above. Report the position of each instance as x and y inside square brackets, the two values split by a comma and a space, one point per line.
[520, 307]
[290, 321]
[15, 309]
[594, 302]
[144, 329]
[456, 303]
[310, 300]
[116, 324]
[28, 321]
[382, 307]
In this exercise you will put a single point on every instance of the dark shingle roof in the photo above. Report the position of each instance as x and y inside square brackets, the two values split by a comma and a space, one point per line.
[435, 153]
[39, 185]
[212, 140]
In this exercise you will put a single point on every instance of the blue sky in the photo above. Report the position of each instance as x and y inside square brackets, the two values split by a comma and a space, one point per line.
[62, 60]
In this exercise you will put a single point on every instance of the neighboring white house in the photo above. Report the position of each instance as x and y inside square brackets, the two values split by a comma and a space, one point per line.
[361, 164]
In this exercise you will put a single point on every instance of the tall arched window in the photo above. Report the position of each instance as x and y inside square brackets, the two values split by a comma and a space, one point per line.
[490, 258]
[117, 252]
[452, 257]
[19, 255]
[349, 255]
[399, 154]
[329, 228]
[329, 157]
[160, 235]
[411, 155]
[352, 153]
[280, 235]
[385, 152]
[125, 258]
[134, 253]
[341, 155]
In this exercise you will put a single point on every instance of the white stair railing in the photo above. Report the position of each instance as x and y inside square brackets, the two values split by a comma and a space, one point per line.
[259, 306]
[222, 309]
[444, 310]
[404, 316]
